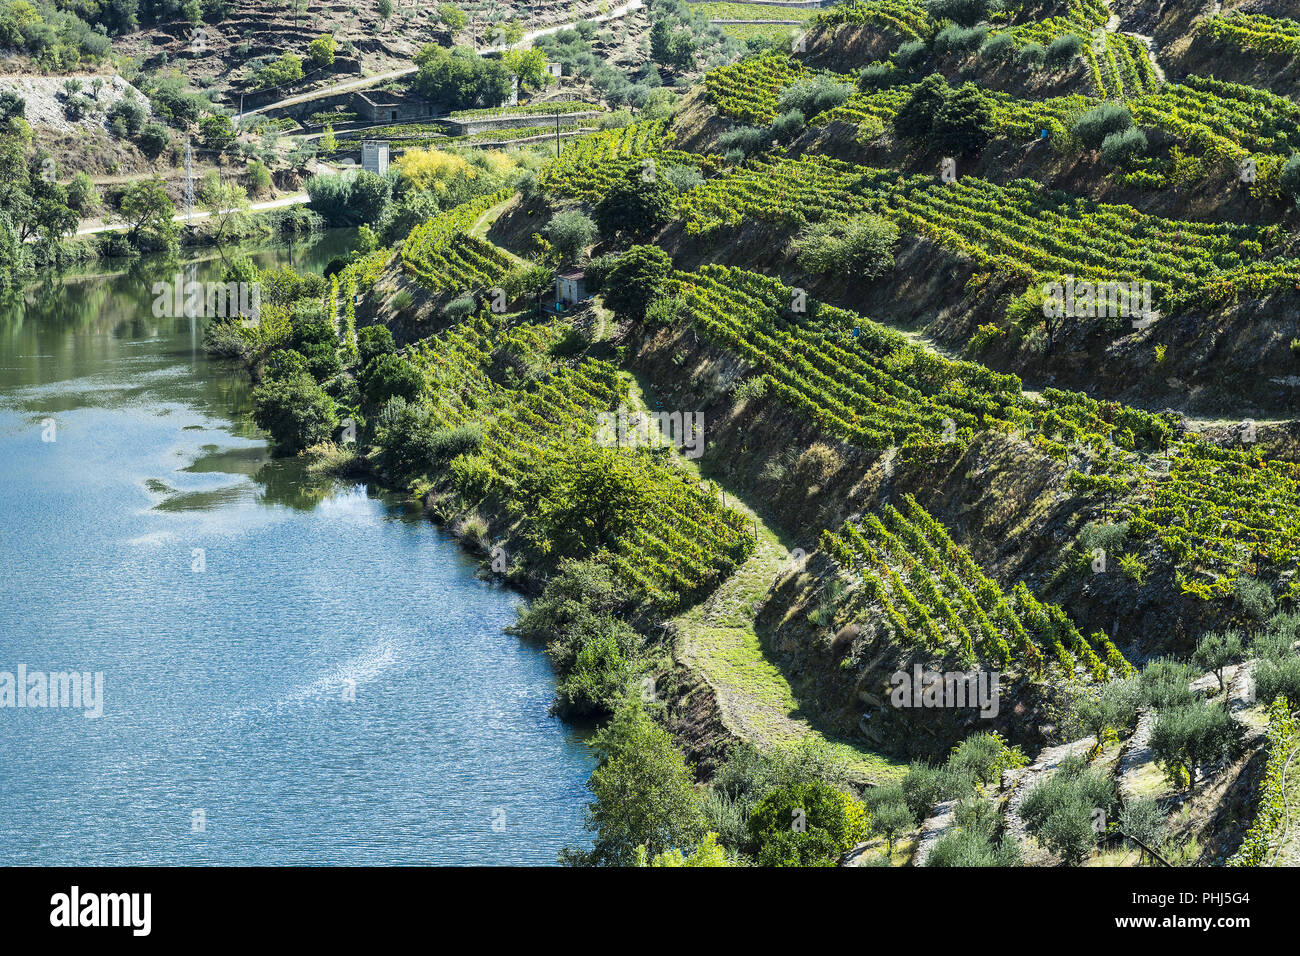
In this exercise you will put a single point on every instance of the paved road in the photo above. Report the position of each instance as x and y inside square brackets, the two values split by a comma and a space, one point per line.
[91, 226]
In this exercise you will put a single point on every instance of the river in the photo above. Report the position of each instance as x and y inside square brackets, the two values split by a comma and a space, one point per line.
[293, 673]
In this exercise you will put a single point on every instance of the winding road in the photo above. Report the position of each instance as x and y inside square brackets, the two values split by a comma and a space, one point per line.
[368, 81]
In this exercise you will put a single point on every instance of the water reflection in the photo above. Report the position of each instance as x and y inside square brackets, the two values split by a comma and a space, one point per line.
[222, 686]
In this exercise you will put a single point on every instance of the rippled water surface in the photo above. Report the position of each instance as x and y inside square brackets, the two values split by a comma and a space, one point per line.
[226, 734]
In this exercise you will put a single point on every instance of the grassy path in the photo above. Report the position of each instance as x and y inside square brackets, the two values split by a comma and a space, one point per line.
[490, 215]
[718, 641]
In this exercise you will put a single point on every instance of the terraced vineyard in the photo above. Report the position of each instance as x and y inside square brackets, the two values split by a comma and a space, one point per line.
[933, 595]
[547, 108]
[1012, 116]
[1212, 118]
[780, 190]
[442, 255]
[852, 377]
[1037, 233]
[867, 384]
[1219, 513]
[589, 165]
[1225, 120]
[905, 17]
[748, 90]
[1253, 31]
[1019, 229]
[679, 541]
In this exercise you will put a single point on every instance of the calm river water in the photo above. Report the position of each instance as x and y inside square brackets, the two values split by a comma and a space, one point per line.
[234, 608]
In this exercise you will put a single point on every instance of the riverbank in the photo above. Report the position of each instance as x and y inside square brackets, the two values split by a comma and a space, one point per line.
[714, 641]
[296, 671]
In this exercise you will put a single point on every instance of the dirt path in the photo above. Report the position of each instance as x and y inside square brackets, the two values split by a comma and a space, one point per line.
[378, 78]
[1152, 51]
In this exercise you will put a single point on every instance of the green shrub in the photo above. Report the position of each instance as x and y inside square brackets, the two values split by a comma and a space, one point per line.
[955, 39]
[891, 819]
[682, 178]
[372, 342]
[1093, 126]
[1123, 149]
[787, 126]
[82, 194]
[964, 123]
[1254, 597]
[666, 311]
[473, 476]
[708, 853]
[984, 336]
[1164, 683]
[636, 279]
[1276, 678]
[295, 411]
[636, 204]
[323, 360]
[1216, 651]
[877, 76]
[926, 785]
[1186, 737]
[972, 848]
[1064, 50]
[984, 757]
[1031, 56]
[813, 96]
[751, 389]
[1063, 811]
[570, 233]
[1289, 183]
[745, 139]
[460, 308]
[597, 680]
[1134, 567]
[748, 775]
[811, 823]
[391, 375]
[861, 247]
[1142, 820]
[222, 339]
[910, 55]
[915, 118]
[998, 47]
[1112, 708]
[598, 269]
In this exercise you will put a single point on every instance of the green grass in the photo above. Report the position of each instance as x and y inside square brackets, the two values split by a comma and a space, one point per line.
[719, 641]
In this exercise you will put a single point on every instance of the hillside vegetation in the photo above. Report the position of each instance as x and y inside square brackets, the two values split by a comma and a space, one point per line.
[906, 442]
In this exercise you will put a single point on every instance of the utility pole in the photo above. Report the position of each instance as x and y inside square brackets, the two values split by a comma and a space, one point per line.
[189, 180]
[557, 134]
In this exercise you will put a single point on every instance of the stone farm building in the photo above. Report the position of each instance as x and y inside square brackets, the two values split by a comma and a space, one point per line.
[383, 106]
